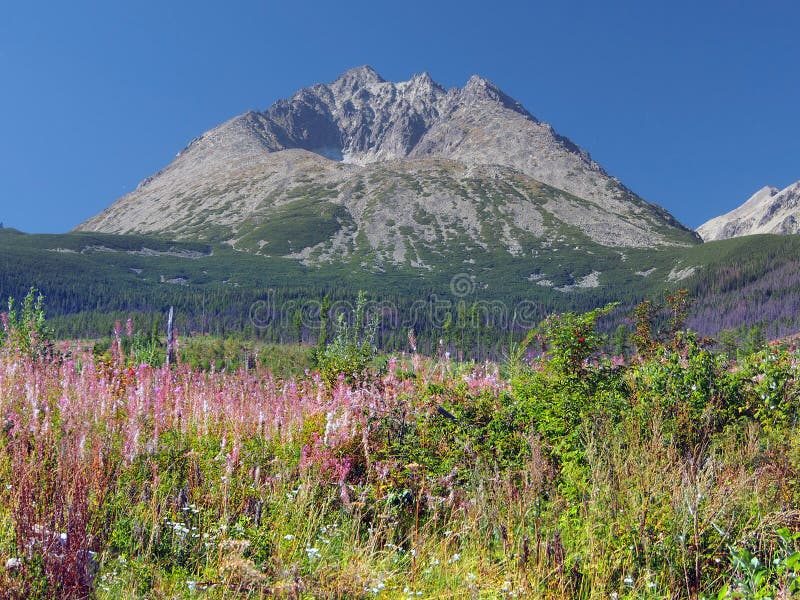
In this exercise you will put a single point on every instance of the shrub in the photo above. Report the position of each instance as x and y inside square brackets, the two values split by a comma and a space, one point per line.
[352, 347]
[565, 389]
[25, 330]
[683, 385]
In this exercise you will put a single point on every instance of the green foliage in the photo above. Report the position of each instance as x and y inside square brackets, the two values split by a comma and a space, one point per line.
[295, 225]
[353, 345]
[95, 279]
[147, 349]
[684, 384]
[767, 389]
[567, 389]
[207, 352]
[25, 329]
[645, 337]
[285, 360]
[572, 339]
[514, 357]
[777, 577]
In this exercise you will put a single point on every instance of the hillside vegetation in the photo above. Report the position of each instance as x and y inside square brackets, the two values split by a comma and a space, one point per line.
[92, 280]
[561, 472]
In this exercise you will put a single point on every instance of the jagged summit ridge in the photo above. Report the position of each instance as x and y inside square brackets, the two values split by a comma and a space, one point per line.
[769, 210]
[361, 118]
[363, 75]
[391, 166]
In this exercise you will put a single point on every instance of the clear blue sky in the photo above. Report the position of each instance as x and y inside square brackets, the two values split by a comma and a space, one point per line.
[693, 105]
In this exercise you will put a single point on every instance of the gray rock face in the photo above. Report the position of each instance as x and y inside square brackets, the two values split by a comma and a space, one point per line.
[769, 210]
[364, 154]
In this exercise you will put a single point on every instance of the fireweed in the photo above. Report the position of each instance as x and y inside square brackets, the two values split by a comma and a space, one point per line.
[432, 479]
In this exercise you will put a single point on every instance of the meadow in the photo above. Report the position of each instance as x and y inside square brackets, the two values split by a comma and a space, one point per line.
[559, 472]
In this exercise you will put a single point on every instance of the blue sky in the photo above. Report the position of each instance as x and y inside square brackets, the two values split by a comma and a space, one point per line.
[693, 105]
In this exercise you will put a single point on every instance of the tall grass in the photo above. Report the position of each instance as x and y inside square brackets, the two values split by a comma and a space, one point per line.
[586, 478]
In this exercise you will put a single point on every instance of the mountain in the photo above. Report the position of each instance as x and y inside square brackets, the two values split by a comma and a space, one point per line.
[451, 208]
[392, 175]
[769, 210]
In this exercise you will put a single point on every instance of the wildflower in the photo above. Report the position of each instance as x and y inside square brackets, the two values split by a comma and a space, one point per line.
[471, 576]
[13, 563]
[288, 537]
[628, 580]
[377, 587]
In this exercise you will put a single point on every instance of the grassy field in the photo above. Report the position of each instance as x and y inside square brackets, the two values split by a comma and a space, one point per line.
[560, 472]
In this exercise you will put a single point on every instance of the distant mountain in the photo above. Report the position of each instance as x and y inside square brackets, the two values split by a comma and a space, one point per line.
[393, 175]
[769, 210]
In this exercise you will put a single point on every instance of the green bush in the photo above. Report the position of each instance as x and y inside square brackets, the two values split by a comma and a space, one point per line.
[686, 386]
[568, 389]
[25, 329]
[352, 348]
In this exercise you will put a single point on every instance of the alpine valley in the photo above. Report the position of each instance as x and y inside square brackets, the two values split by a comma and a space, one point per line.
[410, 192]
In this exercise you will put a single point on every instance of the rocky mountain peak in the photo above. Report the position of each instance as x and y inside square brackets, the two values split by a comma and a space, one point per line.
[362, 75]
[425, 83]
[762, 195]
[480, 90]
[478, 83]
[364, 165]
[769, 210]
[425, 78]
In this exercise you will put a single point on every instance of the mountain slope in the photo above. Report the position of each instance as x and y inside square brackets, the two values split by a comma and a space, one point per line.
[91, 280]
[375, 172]
[769, 210]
